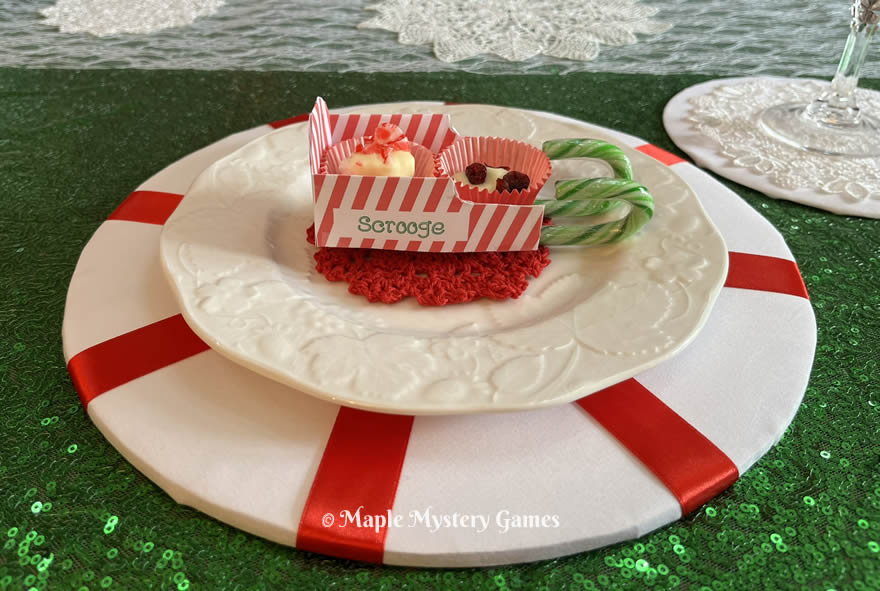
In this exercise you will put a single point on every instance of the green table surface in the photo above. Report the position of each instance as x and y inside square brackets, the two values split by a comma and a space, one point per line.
[75, 515]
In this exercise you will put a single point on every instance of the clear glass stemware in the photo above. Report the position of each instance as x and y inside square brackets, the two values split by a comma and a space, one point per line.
[833, 123]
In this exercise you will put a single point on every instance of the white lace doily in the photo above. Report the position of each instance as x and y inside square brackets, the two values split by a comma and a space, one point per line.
[515, 29]
[112, 17]
[716, 123]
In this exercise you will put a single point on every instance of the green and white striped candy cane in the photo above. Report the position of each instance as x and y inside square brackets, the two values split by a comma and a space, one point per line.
[588, 197]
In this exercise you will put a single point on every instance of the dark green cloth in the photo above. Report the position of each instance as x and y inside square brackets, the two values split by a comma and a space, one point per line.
[73, 144]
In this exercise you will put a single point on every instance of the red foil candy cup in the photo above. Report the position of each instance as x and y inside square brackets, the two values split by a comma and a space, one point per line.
[496, 152]
[336, 153]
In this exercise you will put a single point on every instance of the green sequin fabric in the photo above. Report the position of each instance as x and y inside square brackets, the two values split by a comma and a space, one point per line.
[75, 515]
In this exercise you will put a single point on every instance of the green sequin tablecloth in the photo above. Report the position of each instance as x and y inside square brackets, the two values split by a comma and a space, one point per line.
[75, 515]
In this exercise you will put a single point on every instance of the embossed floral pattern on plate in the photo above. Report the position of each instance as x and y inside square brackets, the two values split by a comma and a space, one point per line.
[236, 255]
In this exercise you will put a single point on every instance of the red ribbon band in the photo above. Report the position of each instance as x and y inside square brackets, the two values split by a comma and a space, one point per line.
[682, 458]
[147, 207]
[659, 154]
[289, 121]
[132, 355]
[359, 471]
[765, 273]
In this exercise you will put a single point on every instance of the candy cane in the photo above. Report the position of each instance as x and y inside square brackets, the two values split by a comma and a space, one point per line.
[588, 197]
[587, 148]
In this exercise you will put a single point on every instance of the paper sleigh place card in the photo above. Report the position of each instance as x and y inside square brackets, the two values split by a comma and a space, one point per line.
[459, 194]
[422, 213]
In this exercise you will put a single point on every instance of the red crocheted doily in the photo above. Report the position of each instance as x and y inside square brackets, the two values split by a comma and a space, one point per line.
[434, 279]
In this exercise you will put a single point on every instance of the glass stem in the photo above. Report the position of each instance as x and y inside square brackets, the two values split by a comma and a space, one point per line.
[837, 107]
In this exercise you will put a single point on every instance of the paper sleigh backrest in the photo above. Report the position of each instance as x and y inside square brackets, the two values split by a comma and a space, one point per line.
[319, 134]
[422, 214]
[432, 131]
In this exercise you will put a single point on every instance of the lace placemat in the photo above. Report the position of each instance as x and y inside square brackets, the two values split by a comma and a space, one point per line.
[112, 17]
[716, 123]
[515, 30]
[718, 38]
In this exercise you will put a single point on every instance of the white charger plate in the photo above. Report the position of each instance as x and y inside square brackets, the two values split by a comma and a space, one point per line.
[245, 449]
[243, 273]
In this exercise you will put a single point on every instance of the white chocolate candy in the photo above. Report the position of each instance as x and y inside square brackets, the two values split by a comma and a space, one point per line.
[400, 163]
[492, 175]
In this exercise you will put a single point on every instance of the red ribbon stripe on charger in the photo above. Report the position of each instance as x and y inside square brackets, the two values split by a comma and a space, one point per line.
[360, 468]
[289, 121]
[682, 458]
[147, 207]
[132, 355]
[659, 154]
[765, 273]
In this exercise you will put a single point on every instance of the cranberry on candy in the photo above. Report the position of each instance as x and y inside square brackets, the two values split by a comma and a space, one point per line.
[516, 180]
[476, 173]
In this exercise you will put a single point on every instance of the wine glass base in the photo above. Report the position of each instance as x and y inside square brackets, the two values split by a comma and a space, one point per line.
[788, 124]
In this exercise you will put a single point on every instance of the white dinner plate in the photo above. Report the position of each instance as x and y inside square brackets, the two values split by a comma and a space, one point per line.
[244, 275]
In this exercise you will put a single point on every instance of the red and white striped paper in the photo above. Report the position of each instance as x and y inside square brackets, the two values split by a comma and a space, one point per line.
[412, 205]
